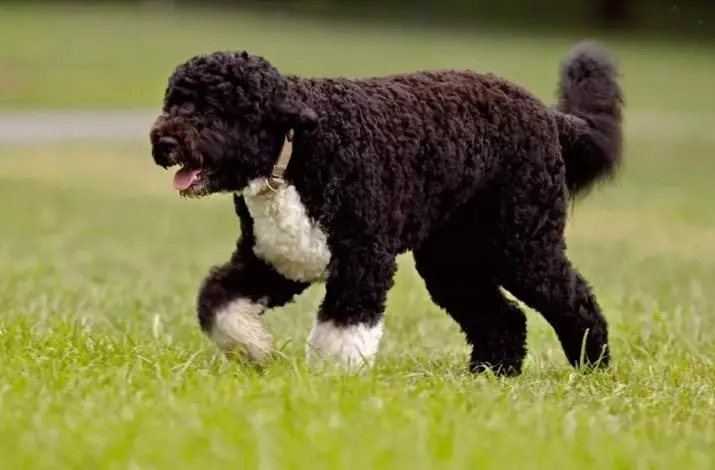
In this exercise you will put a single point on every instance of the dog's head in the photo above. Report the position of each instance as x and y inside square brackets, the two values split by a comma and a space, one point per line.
[224, 120]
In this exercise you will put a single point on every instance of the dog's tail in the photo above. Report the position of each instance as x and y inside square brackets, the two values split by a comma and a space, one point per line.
[589, 112]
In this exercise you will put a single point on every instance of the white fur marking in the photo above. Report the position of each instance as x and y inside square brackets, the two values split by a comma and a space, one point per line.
[238, 328]
[285, 236]
[347, 347]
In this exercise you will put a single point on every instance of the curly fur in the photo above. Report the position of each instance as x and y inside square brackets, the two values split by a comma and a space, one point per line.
[468, 171]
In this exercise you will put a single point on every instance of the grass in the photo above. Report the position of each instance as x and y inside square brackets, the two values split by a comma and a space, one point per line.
[102, 364]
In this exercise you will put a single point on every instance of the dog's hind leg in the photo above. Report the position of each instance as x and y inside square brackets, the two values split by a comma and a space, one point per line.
[457, 268]
[533, 265]
[542, 277]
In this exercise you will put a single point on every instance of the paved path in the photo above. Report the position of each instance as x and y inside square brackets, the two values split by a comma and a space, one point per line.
[23, 128]
[31, 127]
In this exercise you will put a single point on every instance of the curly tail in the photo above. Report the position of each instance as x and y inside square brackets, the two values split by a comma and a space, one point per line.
[589, 111]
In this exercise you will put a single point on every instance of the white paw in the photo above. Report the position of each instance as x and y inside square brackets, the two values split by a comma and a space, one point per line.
[239, 329]
[348, 348]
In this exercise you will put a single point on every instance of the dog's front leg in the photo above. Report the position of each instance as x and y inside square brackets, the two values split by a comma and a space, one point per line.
[233, 297]
[348, 327]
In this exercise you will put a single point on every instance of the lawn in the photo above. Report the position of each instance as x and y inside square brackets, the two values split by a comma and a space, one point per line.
[102, 364]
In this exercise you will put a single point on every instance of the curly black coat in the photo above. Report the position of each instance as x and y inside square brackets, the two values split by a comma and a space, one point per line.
[470, 172]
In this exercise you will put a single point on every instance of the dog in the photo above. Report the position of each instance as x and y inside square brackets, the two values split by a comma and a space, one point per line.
[333, 178]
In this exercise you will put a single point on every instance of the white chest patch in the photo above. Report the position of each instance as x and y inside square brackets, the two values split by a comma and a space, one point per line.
[285, 236]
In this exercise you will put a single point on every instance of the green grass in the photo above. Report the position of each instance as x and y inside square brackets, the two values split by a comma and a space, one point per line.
[102, 364]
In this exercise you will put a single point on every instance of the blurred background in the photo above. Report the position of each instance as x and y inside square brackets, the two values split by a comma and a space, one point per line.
[102, 54]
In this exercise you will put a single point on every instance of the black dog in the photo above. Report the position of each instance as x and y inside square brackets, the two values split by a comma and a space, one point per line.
[469, 171]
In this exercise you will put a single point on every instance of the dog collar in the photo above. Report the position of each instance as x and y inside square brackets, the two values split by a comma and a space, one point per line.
[275, 181]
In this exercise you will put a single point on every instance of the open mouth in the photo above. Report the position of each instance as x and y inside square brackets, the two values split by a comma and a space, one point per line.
[192, 182]
[185, 178]
[191, 179]
[167, 153]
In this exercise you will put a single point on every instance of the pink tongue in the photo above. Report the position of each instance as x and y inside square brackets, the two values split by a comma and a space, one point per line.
[185, 178]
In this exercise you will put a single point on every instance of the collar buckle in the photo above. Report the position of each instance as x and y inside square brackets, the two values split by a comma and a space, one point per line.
[276, 180]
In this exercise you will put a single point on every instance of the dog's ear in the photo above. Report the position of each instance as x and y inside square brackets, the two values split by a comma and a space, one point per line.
[295, 115]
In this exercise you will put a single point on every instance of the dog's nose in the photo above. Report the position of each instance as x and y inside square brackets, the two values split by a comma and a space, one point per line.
[162, 149]
[166, 144]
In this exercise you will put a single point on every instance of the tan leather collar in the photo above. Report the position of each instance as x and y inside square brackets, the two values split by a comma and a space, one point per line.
[275, 181]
